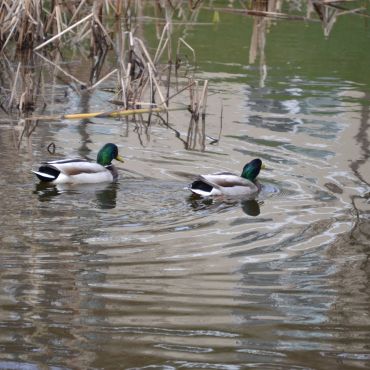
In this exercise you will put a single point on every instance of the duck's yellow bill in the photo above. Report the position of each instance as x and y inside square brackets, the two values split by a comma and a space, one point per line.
[119, 158]
[264, 167]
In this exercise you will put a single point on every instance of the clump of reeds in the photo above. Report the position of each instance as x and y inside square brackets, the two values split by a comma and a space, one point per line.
[20, 23]
[35, 33]
[21, 84]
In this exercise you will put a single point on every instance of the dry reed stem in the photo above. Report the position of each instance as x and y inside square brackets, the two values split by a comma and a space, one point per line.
[151, 90]
[50, 20]
[203, 99]
[160, 49]
[163, 100]
[83, 33]
[181, 40]
[28, 129]
[181, 90]
[143, 48]
[15, 81]
[96, 19]
[9, 36]
[63, 32]
[102, 80]
[262, 13]
[76, 12]
[58, 18]
[333, 4]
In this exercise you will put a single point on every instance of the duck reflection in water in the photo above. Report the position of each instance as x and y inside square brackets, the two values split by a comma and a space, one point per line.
[250, 207]
[105, 194]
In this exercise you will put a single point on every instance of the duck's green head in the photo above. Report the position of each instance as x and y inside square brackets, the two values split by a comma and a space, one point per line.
[252, 169]
[107, 153]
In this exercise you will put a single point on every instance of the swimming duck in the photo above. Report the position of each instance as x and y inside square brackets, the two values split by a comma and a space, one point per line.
[80, 171]
[226, 183]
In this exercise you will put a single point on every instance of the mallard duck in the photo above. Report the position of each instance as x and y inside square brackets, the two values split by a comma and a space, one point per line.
[80, 171]
[226, 183]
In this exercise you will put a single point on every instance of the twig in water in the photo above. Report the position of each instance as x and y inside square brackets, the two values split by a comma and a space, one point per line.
[51, 148]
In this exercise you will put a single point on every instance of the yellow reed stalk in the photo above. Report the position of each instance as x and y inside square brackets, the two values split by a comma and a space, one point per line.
[118, 113]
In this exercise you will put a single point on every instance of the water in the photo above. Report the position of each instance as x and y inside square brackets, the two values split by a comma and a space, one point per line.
[140, 274]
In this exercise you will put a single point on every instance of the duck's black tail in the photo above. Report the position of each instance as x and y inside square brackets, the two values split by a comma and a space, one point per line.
[46, 173]
[200, 185]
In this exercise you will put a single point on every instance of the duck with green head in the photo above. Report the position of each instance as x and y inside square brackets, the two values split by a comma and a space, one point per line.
[80, 171]
[229, 184]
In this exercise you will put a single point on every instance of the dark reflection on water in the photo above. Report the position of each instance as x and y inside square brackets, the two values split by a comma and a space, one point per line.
[106, 198]
[249, 206]
[46, 192]
[104, 195]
